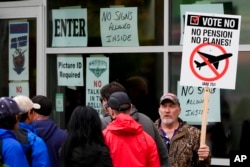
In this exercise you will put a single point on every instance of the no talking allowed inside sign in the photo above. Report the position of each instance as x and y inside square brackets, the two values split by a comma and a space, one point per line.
[210, 50]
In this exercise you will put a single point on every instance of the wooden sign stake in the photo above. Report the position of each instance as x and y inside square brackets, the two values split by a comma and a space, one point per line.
[204, 118]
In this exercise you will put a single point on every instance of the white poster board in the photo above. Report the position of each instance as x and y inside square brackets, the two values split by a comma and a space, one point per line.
[119, 26]
[19, 88]
[97, 72]
[70, 70]
[70, 27]
[19, 51]
[210, 50]
[191, 100]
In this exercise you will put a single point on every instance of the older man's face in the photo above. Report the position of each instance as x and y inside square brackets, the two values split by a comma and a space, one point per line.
[169, 112]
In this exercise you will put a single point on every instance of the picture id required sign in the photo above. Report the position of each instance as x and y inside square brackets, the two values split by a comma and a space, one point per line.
[210, 50]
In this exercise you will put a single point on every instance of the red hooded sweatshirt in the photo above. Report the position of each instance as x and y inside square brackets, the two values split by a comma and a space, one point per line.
[129, 145]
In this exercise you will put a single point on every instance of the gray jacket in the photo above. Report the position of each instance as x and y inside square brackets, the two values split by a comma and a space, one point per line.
[148, 126]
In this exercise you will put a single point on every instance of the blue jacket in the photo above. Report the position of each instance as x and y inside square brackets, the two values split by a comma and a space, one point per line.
[35, 148]
[53, 137]
[12, 152]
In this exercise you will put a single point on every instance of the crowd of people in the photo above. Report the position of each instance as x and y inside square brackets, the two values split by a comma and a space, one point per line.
[123, 137]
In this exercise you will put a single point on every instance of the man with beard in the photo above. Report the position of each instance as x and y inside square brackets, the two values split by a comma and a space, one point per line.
[181, 139]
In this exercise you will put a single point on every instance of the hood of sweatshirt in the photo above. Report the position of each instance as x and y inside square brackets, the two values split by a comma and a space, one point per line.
[45, 128]
[124, 124]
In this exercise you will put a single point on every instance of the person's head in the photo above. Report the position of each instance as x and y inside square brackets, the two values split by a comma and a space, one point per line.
[107, 90]
[169, 109]
[25, 103]
[137, 88]
[46, 106]
[118, 102]
[9, 113]
[85, 125]
[84, 128]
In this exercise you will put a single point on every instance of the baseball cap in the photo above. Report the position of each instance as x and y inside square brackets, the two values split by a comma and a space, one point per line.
[8, 107]
[171, 97]
[45, 103]
[117, 100]
[26, 103]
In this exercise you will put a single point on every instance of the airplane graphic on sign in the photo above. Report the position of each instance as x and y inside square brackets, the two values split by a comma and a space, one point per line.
[211, 59]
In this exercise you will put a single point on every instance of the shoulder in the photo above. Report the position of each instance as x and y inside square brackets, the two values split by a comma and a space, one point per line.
[105, 121]
[62, 132]
[147, 124]
[143, 117]
[11, 146]
[191, 128]
[157, 123]
[192, 131]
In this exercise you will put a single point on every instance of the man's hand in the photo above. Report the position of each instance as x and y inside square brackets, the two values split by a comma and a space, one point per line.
[203, 152]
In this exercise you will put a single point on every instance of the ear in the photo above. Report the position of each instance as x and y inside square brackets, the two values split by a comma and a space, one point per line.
[111, 112]
[30, 115]
[17, 118]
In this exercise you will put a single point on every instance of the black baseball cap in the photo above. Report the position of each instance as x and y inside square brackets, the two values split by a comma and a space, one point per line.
[118, 100]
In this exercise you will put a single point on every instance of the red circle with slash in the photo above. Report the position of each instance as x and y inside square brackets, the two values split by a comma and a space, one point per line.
[217, 75]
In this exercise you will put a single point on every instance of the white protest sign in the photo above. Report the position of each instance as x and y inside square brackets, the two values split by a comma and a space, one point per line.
[191, 100]
[70, 70]
[19, 51]
[97, 72]
[205, 8]
[69, 27]
[210, 50]
[119, 26]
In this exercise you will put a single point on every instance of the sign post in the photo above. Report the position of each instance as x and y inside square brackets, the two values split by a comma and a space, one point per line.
[204, 117]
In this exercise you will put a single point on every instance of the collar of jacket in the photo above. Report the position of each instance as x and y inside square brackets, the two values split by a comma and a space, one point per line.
[134, 113]
[181, 130]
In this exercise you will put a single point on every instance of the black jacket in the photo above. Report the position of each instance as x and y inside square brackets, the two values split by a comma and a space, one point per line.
[90, 156]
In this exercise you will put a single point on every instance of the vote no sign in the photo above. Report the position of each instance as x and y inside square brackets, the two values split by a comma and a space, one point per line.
[210, 50]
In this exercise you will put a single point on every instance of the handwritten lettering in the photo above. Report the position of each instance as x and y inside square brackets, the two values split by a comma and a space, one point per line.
[194, 102]
[201, 90]
[114, 38]
[193, 112]
[123, 16]
[114, 27]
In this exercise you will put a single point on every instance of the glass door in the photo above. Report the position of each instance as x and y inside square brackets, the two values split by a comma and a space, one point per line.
[22, 47]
